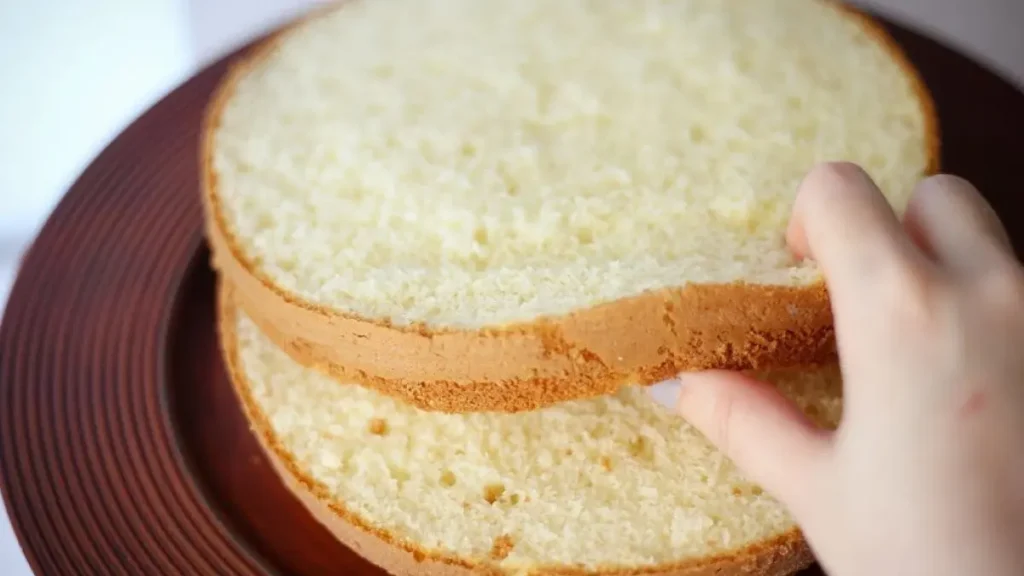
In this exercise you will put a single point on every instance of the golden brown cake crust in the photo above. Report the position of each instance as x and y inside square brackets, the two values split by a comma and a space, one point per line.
[640, 339]
[782, 555]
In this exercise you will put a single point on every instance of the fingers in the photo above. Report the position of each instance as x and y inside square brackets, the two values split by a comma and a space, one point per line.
[761, 431]
[950, 220]
[843, 222]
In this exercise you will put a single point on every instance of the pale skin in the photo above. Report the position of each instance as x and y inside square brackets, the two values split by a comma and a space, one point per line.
[925, 474]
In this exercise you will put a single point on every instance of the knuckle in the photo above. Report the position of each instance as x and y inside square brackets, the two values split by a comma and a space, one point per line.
[1001, 288]
[914, 297]
[880, 267]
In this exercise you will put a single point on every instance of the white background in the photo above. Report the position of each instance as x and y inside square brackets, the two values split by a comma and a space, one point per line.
[73, 73]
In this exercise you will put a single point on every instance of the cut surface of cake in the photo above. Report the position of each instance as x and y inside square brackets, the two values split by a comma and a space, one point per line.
[609, 485]
[502, 205]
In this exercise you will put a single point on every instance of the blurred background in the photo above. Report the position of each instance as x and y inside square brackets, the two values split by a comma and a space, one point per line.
[74, 73]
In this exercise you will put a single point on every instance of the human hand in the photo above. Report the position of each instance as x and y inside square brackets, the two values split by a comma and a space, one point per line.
[925, 473]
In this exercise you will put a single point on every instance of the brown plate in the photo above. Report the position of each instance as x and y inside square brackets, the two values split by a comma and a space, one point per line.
[122, 448]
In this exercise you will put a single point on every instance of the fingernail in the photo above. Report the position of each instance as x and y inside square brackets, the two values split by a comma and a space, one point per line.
[666, 393]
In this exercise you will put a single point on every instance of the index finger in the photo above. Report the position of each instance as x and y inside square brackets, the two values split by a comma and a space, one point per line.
[843, 222]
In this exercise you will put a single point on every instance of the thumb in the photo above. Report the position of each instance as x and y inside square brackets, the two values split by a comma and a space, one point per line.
[752, 423]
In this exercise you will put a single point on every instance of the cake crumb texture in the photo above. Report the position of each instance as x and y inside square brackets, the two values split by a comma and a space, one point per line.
[518, 492]
[458, 164]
